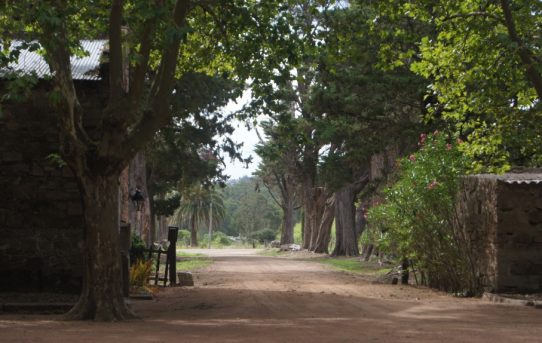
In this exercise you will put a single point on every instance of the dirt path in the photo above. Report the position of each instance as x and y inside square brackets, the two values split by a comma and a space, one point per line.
[243, 297]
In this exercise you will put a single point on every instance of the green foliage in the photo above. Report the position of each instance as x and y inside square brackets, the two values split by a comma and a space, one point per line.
[248, 209]
[415, 219]
[184, 238]
[478, 82]
[195, 209]
[137, 249]
[220, 240]
[167, 205]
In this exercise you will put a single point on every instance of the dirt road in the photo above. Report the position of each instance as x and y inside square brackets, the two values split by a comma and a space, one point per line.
[243, 297]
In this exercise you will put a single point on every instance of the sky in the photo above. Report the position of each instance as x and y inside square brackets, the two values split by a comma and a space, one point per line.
[236, 169]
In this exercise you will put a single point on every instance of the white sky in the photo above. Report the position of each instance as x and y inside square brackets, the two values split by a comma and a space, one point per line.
[235, 169]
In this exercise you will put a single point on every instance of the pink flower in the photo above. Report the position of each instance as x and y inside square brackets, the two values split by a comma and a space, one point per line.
[412, 158]
[432, 184]
[423, 137]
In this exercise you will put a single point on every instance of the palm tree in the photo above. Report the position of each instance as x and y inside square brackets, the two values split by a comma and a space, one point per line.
[195, 209]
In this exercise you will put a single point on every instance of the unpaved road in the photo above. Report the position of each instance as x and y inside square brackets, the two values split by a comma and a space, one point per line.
[248, 298]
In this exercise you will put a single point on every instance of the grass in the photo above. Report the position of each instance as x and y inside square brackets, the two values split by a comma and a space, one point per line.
[192, 261]
[354, 265]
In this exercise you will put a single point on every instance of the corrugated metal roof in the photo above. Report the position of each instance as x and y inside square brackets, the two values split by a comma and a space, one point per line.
[514, 178]
[83, 68]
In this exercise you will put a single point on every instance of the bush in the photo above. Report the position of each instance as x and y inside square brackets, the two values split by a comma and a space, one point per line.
[137, 249]
[220, 239]
[183, 239]
[264, 235]
[415, 220]
[140, 272]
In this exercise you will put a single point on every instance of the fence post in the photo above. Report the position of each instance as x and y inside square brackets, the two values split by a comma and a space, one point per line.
[173, 233]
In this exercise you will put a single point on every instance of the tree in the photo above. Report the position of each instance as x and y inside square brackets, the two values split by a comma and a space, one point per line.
[150, 45]
[482, 62]
[199, 206]
[187, 151]
[277, 172]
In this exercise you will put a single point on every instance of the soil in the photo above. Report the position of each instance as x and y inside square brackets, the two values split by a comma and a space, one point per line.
[244, 297]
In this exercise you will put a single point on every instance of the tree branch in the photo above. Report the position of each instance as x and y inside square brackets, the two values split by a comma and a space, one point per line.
[160, 95]
[526, 56]
[116, 89]
[474, 14]
[137, 83]
[74, 140]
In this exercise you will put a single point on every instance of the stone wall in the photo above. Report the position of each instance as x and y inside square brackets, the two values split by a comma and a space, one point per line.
[41, 231]
[501, 217]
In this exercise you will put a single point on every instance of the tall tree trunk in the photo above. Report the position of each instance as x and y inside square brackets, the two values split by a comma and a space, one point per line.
[101, 298]
[324, 231]
[347, 241]
[317, 215]
[193, 233]
[287, 235]
[308, 205]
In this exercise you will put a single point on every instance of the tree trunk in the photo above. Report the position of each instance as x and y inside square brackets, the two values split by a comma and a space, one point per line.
[193, 233]
[324, 231]
[346, 239]
[308, 205]
[101, 298]
[287, 235]
[317, 215]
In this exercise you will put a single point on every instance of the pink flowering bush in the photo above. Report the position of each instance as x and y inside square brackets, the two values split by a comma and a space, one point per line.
[415, 218]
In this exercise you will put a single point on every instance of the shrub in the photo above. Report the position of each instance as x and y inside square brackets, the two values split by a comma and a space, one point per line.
[140, 272]
[415, 220]
[137, 249]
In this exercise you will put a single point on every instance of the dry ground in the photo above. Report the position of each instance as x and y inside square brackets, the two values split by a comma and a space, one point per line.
[244, 297]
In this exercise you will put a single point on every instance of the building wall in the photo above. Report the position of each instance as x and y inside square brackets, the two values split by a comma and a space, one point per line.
[41, 231]
[477, 221]
[519, 237]
[501, 219]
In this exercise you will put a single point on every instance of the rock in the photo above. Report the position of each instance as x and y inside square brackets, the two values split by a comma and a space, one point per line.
[290, 247]
[185, 279]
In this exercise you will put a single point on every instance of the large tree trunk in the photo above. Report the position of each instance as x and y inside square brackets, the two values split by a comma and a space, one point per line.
[101, 298]
[313, 206]
[308, 205]
[324, 231]
[346, 238]
[287, 234]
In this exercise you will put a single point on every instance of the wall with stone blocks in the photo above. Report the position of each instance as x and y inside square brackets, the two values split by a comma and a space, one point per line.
[41, 231]
[501, 219]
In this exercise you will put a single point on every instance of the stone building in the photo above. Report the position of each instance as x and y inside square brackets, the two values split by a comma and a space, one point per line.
[40, 210]
[41, 224]
[501, 219]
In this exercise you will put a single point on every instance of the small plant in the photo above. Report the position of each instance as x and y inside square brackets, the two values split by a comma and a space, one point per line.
[140, 273]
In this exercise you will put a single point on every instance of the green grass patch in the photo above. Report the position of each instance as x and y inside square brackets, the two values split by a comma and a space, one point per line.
[354, 265]
[192, 261]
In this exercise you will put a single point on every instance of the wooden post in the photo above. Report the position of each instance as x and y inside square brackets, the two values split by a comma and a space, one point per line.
[173, 233]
